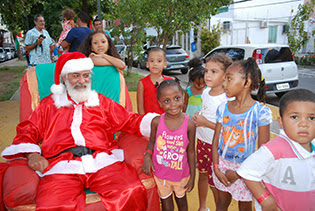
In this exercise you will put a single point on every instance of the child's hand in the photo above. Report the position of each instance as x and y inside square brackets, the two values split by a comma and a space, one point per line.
[147, 164]
[199, 119]
[270, 204]
[231, 175]
[190, 185]
[92, 54]
[222, 177]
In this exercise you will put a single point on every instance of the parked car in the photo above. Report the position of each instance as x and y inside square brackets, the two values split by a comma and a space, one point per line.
[9, 54]
[275, 62]
[3, 55]
[13, 52]
[124, 55]
[119, 47]
[177, 59]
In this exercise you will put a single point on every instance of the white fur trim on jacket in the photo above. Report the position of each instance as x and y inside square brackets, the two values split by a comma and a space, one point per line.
[145, 125]
[20, 148]
[77, 65]
[87, 165]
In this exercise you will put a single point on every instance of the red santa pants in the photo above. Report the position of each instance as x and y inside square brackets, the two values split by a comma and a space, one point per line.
[118, 186]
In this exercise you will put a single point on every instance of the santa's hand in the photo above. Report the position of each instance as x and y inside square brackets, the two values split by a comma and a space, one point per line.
[37, 162]
[147, 164]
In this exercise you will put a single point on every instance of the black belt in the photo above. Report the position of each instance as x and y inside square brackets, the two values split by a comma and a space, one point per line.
[78, 151]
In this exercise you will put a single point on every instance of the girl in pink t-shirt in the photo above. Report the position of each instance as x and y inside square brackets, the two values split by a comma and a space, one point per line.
[67, 24]
[172, 141]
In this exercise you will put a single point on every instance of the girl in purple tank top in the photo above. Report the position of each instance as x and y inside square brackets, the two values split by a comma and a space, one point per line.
[172, 141]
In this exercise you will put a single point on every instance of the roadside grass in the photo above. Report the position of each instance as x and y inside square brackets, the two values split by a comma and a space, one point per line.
[132, 80]
[10, 80]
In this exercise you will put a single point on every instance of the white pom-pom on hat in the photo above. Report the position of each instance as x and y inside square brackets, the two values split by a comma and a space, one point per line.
[69, 63]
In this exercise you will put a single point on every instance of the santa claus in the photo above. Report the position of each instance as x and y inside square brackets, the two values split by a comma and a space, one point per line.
[69, 141]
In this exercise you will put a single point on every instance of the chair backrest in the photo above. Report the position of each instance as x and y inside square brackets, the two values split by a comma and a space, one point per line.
[36, 83]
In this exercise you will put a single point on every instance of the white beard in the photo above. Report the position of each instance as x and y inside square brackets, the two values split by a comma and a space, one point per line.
[79, 95]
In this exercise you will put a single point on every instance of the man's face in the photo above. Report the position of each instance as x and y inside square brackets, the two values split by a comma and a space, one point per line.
[78, 85]
[78, 80]
[98, 26]
[40, 23]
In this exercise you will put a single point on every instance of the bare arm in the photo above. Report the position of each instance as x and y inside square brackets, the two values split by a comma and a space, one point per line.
[257, 189]
[215, 155]
[186, 96]
[191, 155]
[31, 47]
[140, 98]
[147, 165]
[36, 161]
[71, 22]
[106, 60]
[52, 48]
[202, 121]
[65, 44]
[263, 135]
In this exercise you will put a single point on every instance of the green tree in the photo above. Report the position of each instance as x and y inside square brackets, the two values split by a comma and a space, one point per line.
[297, 36]
[18, 14]
[131, 26]
[169, 16]
[210, 39]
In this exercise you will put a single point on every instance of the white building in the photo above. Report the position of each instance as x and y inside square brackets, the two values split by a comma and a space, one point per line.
[259, 22]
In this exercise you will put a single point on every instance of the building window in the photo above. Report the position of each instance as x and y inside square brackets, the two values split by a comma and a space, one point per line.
[272, 38]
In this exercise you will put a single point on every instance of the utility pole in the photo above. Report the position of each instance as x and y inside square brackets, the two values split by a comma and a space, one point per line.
[99, 11]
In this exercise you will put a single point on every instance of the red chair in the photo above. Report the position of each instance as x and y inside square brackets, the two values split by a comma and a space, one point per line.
[19, 194]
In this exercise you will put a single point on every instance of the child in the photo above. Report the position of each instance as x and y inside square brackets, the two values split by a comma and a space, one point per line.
[212, 97]
[286, 164]
[239, 123]
[146, 90]
[101, 49]
[172, 141]
[67, 24]
[193, 102]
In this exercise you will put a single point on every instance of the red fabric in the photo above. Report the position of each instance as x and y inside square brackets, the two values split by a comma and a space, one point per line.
[3, 167]
[128, 104]
[134, 148]
[150, 101]
[99, 123]
[62, 60]
[20, 190]
[116, 190]
[25, 99]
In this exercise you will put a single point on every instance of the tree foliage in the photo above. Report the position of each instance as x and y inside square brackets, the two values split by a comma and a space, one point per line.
[130, 26]
[169, 16]
[16, 13]
[210, 39]
[297, 36]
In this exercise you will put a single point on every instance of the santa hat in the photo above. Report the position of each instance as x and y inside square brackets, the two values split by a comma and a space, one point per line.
[69, 63]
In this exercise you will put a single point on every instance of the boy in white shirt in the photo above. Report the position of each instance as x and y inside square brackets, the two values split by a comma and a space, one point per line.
[281, 174]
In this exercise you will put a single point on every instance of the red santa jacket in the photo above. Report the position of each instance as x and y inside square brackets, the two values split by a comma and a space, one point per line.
[58, 123]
